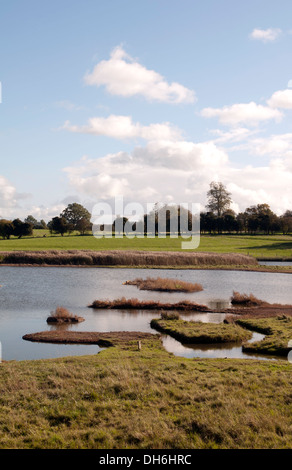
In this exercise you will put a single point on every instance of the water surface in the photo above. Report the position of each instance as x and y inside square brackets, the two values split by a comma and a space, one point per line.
[29, 294]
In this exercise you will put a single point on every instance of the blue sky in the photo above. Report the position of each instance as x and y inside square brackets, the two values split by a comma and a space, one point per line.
[151, 100]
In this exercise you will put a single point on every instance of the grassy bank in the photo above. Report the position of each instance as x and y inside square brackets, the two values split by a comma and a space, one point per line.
[262, 246]
[278, 331]
[125, 398]
[193, 332]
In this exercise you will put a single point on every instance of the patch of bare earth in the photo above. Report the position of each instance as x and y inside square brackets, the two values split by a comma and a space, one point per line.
[87, 337]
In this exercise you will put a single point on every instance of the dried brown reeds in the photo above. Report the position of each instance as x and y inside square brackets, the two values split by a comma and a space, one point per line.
[62, 315]
[165, 285]
[245, 300]
[125, 258]
[136, 304]
[170, 316]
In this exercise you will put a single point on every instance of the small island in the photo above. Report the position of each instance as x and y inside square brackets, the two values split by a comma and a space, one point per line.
[62, 315]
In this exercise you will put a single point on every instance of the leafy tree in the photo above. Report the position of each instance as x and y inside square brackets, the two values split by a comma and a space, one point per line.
[83, 225]
[40, 225]
[286, 222]
[74, 213]
[31, 220]
[119, 224]
[58, 225]
[22, 229]
[219, 199]
[6, 228]
[43, 224]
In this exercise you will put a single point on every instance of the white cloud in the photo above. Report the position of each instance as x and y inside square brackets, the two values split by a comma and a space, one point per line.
[122, 75]
[281, 99]
[8, 197]
[265, 35]
[275, 145]
[122, 127]
[233, 135]
[181, 172]
[242, 113]
[159, 171]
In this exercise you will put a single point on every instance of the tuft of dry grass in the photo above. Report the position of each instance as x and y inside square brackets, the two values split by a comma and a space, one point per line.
[245, 299]
[62, 315]
[170, 316]
[165, 285]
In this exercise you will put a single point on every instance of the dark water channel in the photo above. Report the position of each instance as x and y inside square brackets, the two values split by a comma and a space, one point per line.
[29, 294]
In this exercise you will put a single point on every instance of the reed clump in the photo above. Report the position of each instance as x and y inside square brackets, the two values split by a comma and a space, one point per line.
[248, 300]
[170, 316]
[125, 258]
[134, 303]
[62, 315]
[165, 285]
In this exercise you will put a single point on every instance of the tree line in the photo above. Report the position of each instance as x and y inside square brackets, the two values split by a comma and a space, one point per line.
[218, 218]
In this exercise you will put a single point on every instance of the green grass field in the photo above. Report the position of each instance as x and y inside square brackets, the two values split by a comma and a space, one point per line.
[258, 245]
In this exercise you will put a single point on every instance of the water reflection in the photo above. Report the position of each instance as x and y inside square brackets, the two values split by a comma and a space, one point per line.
[223, 350]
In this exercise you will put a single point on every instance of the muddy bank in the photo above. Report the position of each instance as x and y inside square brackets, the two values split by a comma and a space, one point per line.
[87, 337]
[263, 310]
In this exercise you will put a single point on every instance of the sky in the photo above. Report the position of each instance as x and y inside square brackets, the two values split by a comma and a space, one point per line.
[148, 100]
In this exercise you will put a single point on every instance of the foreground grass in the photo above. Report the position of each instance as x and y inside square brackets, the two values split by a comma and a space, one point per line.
[125, 398]
[255, 245]
[278, 331]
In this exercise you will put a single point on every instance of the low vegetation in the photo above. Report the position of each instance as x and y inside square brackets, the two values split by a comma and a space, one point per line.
[194, 332]
[136, 304]
[62, 315]
[165, 285]
[124, 398]
[278, 331]
[124, 258]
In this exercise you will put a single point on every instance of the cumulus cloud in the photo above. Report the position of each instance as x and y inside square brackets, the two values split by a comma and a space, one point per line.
[242, 113]
[158, 171]
[122, 127]
[265, 35]
[8, 197]
[281, 99]
[181, 172]
[123, 76]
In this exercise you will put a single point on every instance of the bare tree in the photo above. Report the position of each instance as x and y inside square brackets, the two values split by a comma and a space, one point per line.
[219, 199]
